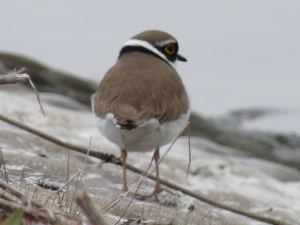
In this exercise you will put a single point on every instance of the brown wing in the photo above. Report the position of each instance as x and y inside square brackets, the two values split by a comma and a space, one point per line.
[134, 91]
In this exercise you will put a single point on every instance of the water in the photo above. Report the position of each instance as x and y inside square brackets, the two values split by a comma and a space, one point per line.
[241, 54]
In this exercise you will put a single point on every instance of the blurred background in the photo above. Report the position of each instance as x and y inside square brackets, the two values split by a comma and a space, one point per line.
[241, 54]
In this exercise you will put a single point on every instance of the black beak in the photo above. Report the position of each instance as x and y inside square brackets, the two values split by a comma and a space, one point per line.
[181, 58]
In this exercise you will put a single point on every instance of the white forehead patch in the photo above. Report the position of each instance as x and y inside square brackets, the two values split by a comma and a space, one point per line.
[147, 45]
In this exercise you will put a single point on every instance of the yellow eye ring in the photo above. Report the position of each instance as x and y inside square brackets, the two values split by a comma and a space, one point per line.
[170, 49]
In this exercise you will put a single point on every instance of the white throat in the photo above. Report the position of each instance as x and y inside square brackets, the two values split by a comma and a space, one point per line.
[147, 45]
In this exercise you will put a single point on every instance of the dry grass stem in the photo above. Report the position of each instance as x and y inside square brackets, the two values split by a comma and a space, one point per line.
[3, 163]
[118, 198]
[68, 174]
[14, 77]
[11, 199]
[77, 174]
[78, 180]
[22, 178]
[94, 216]
[88, 151]
[190, 153]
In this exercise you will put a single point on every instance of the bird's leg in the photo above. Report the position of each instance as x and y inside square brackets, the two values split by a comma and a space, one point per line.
[158, 188]
[124, 156]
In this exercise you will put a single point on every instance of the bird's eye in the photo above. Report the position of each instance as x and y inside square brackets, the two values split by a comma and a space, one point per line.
[170, 49]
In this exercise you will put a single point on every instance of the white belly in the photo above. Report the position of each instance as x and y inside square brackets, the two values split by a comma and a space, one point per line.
[145, 137]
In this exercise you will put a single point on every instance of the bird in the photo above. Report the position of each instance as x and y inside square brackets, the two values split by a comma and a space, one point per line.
[141, 103]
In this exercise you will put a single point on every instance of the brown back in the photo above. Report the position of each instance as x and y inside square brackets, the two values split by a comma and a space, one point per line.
[134, 91]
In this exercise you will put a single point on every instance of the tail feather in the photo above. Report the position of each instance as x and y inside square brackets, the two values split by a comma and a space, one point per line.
[127, 117]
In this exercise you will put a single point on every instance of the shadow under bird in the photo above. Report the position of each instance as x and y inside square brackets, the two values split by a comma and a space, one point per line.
[141, 103]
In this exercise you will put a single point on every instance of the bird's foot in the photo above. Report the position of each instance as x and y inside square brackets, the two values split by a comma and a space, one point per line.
[156, 191]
